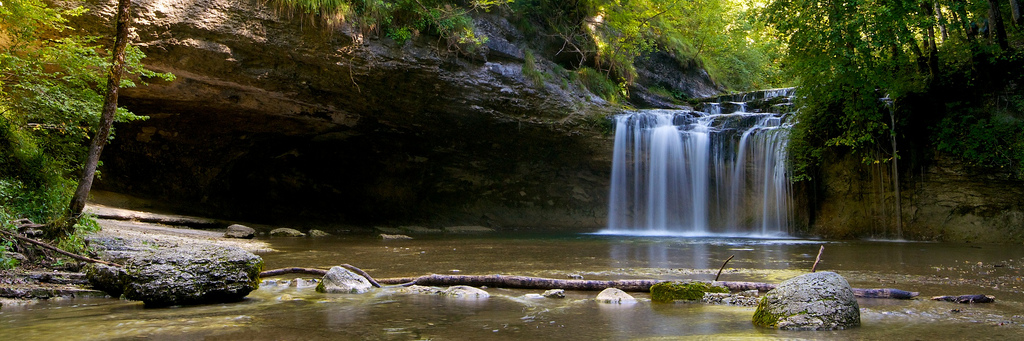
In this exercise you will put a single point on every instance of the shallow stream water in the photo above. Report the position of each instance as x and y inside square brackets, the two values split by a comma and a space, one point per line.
[287, 313]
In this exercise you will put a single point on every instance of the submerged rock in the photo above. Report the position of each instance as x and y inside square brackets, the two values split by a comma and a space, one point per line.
[192, 274]
[463, 229]
[240, 231]
[318, 234]
[286, 232]
[417, 290]
[665, 292]
[339, 280]
[554, 293]
[816, 301]
[464, 291]
[614, 296]
[386, 236]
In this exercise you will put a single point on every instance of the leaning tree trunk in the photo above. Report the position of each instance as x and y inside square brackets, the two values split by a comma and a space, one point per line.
[107, 116]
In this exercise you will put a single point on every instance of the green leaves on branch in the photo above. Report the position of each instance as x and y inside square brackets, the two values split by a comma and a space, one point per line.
[51, 83]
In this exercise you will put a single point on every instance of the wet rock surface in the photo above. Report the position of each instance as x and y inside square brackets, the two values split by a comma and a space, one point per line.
[614, 296]
[240, 231]
[179, 275]
[286, 232]
[465, 292]
[298, 124]
[816, 301]
[339, 280]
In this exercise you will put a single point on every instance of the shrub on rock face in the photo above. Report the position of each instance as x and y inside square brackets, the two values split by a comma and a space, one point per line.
[193, 274]
[816, 301]
[665, 292]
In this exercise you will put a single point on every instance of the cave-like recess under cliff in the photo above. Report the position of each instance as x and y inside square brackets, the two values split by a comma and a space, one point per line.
[273, 121]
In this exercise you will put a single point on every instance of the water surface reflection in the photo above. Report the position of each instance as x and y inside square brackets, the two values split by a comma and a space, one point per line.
[276, 312]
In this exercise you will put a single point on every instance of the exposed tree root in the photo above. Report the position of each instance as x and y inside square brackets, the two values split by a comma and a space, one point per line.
[57, 250]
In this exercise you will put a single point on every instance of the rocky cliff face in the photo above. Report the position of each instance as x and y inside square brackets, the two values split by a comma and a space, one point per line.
[274, 119]
[941, 201]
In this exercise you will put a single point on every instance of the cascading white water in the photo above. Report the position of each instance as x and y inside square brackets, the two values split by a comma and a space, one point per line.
[678, 172]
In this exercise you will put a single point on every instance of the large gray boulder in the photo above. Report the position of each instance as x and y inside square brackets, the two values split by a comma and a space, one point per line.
[341, 280]
[190, 274]
[815, 301]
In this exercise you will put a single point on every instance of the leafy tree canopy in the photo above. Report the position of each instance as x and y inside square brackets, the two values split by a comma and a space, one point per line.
[50, 99]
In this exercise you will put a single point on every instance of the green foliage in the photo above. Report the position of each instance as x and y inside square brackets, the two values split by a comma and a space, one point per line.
[666, 292]
[846, 55]
[51, 96]
[610, 35]
[996, 143]
[531, 71]
[399, 20]
[599, 84]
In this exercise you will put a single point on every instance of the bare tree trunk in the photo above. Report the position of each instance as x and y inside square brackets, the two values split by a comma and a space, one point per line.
[896, 175]
[995, 16]
[1015, 12]
[941, 19]
[99, 140]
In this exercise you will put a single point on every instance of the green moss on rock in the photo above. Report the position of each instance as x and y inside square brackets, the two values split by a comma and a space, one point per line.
[763, 317]
[665, 292]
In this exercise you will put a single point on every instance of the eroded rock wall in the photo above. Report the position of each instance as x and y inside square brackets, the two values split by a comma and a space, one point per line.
[943, 200]
[273, 119]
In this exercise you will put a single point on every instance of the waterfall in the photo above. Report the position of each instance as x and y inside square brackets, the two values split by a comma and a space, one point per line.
[689, 173]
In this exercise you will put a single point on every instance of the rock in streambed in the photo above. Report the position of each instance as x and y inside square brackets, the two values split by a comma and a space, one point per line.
[240, 231]
[815, 301]
[187, 274]
[341, 280]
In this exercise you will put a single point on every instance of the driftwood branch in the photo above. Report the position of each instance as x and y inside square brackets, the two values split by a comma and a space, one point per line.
[966, 298]
[362, 273]
[723, 267]
[524, 282]
[817, 259]
[317, 272]
[57, 250]
[285, 271]
[634, 285]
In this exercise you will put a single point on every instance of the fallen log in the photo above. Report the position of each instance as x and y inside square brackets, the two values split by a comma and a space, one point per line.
[634, 285]
[525, 282]
[966, 298]
[285, 271]
[317, 272]
[885, 293]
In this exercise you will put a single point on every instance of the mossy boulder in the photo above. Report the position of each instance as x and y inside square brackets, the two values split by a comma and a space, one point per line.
[666, 292]
[816, 301]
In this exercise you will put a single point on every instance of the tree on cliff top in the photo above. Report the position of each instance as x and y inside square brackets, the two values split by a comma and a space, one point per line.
[930, 58]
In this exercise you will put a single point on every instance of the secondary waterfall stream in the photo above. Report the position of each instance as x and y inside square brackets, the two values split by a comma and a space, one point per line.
[721, 171]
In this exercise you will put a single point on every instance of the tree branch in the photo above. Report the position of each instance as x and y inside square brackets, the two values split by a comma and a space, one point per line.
[55, 249]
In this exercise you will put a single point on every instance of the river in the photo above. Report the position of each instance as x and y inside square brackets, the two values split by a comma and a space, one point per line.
[283, 312]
